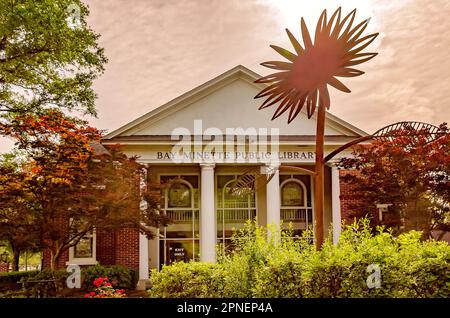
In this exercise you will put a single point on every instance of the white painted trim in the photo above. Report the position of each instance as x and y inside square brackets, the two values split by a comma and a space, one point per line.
[165, 208]
[143, 257]
[208, 219]
[273, 200]
[85, 260]
[305, 192]
[238, 72]
[335, 203]
[189, 97]
[217, 209]
[82, 261]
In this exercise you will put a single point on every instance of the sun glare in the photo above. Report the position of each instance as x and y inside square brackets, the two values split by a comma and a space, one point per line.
[292, 10]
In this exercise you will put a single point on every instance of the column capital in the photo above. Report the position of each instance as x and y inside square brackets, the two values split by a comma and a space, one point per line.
[272, 165]
[207, 165]
[333, 164]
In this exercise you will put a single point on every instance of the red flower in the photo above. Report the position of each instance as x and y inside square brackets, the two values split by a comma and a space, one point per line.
[92, 293]
[87, 296]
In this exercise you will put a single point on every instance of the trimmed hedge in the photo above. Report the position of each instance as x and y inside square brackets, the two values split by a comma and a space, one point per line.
[291, 268]
[10, 281]
[187, 280]
[121, 277]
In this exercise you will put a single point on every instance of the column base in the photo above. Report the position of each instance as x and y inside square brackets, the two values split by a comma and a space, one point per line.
[143, 284]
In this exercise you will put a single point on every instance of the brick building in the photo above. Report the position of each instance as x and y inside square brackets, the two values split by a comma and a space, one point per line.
[203, 141]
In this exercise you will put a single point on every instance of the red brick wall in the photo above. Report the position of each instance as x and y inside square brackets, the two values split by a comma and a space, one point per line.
[61, 262]
[4, 267]
[347, 197]
[127, 248]
[113, 248]
[106, 245]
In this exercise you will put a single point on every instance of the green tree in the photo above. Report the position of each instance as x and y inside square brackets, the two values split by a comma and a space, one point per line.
[49, 56]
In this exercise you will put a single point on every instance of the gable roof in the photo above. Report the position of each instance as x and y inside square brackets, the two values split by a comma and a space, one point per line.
[199, 92]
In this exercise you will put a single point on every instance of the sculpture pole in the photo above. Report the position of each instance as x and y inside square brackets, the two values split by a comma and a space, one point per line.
[319, 176]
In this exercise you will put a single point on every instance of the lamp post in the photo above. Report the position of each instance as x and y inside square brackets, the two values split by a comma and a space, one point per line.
[4, 257]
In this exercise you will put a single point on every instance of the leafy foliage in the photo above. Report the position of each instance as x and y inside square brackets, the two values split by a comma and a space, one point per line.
[105, 289]
[46, 58]
[409, 267]
[187, 280]
[53, 282]
[72, 188]
[119, 276]
[408, 172]
[10, 281]
[18, 226]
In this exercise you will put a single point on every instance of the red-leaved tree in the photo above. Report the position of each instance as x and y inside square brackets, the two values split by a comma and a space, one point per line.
[408, 172]
[77, 188]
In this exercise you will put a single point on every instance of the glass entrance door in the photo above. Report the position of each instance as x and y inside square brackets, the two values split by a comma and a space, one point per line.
[179, 241]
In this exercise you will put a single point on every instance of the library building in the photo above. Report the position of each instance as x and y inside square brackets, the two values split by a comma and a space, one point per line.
[202, 142]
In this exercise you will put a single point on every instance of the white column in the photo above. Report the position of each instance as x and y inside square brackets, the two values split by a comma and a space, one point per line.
[273, 199]
[336, 203]
[143, 257]
[143, 240]
[207, 215]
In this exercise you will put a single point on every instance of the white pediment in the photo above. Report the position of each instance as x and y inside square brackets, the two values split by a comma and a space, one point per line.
[227, 102]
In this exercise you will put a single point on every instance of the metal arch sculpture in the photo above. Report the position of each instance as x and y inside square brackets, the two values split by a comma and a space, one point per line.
[388, 133]
[303, 80]
[418, 129]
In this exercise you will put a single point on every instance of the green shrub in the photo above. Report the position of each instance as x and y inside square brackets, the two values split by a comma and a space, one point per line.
[45, 283]
[121, 277]
[264, 267]
[53, 283]
[252, 247]
[280, 278]
[187, 280]
[11, 281]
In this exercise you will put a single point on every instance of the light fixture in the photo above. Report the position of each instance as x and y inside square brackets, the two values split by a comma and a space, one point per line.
[4, 257]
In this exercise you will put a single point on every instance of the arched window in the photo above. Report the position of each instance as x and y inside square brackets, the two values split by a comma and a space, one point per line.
[233, 211]
[179, 195]
[296, 208]
[179, 241]
[293, 193]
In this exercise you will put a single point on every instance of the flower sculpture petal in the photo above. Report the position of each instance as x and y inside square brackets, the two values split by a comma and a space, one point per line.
[303, 80]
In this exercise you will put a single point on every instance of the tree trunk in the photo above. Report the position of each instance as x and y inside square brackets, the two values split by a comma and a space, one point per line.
[319, 177]
[418, 216]
[16, 259]
[54, 257]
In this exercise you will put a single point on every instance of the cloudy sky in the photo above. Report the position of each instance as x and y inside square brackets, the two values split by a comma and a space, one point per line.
[159, 49]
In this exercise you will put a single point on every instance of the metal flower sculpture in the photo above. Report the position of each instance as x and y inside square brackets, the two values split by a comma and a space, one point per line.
[303, 81]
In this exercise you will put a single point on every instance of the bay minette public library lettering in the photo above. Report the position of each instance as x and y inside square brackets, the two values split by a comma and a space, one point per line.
[204, 214]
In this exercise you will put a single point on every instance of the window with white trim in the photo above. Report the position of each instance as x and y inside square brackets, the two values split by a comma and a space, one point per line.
[296, 203]
[179, 241]
[84, 252]
[232, 211]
